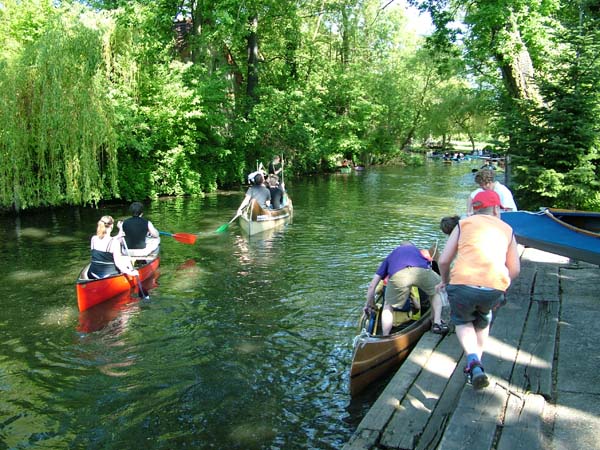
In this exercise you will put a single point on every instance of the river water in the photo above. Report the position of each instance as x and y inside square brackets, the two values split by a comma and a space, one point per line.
[245, 343]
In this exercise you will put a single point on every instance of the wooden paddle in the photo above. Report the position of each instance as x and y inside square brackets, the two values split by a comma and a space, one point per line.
[224, 227]
[185, 238]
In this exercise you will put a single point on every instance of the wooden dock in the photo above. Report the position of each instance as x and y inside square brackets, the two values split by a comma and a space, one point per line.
[428, 405]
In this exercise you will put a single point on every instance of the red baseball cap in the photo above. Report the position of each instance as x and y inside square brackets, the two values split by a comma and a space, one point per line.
[486, 199]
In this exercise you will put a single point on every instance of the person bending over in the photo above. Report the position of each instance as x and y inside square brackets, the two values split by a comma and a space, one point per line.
[406, 267]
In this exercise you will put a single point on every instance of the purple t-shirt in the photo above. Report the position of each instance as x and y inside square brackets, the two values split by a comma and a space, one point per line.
[402, 257]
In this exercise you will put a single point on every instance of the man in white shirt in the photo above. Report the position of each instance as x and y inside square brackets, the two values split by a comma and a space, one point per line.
[486, 179]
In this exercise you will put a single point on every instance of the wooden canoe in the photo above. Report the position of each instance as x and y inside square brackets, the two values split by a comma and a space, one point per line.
[570, 233]
[255, 219]
[375, 356]
[91, 292]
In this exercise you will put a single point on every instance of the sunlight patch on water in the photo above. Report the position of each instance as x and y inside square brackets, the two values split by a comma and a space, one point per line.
[58, 316]
[29, 275]
[251, 433]
[61, 239]
[34, 233]
[249, 347]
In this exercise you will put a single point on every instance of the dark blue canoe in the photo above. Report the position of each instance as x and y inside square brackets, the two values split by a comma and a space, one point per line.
[570, 233]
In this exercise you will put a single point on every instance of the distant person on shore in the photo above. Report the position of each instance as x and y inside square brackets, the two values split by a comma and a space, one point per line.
[486, 179]
[107, 258]
[484, 257]
[257, 191]
[406, 267]
[141, 237]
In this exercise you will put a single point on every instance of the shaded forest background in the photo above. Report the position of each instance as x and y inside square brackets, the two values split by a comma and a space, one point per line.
[133, 99]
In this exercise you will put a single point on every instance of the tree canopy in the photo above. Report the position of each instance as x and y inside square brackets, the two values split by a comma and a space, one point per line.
[133, 99]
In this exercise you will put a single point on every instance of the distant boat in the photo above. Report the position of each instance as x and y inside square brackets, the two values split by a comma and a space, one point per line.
[256, 219]
[570, 233]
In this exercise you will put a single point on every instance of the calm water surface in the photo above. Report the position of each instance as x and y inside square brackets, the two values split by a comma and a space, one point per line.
[244, 343]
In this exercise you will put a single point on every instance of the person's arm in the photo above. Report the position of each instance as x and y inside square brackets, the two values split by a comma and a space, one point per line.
[244, 203]
[447, 257]
[371, 293]
[469, 205]
[152, 231]
[513, 262]
[120, 233]
[506, 197]
[122, 262]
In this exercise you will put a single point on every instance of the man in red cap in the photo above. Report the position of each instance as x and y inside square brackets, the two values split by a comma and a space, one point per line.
[486, 260]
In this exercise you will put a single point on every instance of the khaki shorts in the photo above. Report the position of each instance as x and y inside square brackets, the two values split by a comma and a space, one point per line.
[399, 284]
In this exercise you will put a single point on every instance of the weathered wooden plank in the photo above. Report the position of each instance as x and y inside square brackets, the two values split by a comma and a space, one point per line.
[507, 327]
[523, 423]
[363, 439]
[409, 421]
[477, 414]
[474, 422]
[441, 415]
[384, 407]
[533, 368]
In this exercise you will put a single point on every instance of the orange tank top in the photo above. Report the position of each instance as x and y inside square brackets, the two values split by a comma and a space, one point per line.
[481, 258]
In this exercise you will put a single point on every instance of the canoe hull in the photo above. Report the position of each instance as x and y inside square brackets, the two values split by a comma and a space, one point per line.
[256, 219]
[376, 356]
[559, 232]
[91, 292]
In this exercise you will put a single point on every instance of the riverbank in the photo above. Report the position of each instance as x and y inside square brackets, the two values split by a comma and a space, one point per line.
[542, 361]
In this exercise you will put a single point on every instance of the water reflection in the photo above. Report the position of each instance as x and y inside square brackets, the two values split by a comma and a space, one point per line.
[245, 342]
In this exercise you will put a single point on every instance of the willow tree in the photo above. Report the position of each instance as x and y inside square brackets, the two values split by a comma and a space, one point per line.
[57, 144]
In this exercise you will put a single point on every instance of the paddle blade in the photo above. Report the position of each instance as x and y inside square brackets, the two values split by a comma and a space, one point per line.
[222, 228]
[185, 238]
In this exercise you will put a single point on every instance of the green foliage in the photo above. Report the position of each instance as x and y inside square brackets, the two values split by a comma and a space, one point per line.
[548, 96]
[562, 139]
[97, 91]
[58, 143]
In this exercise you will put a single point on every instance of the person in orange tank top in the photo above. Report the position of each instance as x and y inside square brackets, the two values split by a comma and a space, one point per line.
[483, 253]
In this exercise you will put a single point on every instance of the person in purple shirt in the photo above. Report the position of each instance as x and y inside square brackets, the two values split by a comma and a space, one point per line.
[406, 266]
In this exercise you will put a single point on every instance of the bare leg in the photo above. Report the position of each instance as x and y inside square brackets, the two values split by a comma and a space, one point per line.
[482, 337]
[436, 308]
[472, 340]
[387, 319]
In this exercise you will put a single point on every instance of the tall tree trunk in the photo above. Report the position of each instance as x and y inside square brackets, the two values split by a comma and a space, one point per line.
[345, 56]
[517, 68]
[252, 60]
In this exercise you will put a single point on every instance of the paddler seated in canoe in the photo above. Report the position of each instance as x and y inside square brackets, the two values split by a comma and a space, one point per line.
[277, 192]
[107, 258]
[406, 266]
[257, 191]
[141, 237]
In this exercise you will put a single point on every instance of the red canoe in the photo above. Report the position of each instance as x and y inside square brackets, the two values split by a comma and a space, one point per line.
[90, 292]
